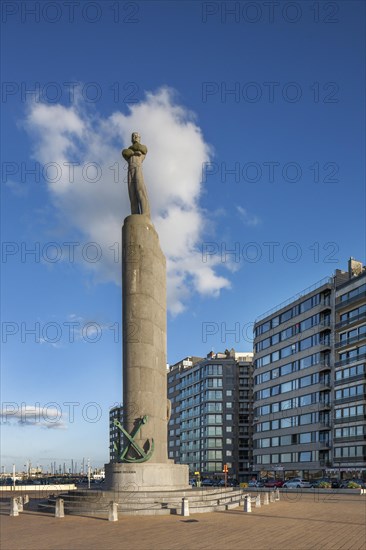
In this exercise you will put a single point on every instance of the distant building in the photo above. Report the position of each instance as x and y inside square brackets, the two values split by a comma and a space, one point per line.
[309, 380]
[115, 436]
[211, 417]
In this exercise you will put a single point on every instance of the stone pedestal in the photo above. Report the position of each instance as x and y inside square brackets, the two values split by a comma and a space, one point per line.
[146, 477]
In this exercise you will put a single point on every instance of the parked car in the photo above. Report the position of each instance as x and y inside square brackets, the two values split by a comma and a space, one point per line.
[322, 482]
[207, 483]
[336, 483]
[273, 483]
[297, 482]
[253, 483]
[350, 483]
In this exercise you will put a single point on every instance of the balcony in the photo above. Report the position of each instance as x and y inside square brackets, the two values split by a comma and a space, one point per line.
[351, 320]
[350, 438]
[350, 360]
[350, 379]
[324, 425]
[356, 298]
[324, 366]
[348, 419]
[350, 341]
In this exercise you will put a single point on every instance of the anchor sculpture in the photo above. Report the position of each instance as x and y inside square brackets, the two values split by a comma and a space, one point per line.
[143, 456]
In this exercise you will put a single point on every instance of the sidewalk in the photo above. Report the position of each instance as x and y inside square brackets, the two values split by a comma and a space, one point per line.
[311, 522]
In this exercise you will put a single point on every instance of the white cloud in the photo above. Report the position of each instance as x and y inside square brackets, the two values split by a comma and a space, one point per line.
[172, 169]
[32, 415]
[247, 218]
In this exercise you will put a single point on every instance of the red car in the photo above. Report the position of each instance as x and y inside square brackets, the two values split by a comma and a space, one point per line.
[273, 483]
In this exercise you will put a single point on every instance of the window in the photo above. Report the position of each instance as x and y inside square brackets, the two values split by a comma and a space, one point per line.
[229, 405]
[305, 437]
[286, 386]
[229, 417]
[305, 456]
[286, 457]
[286, 369]
[229, 393]
[275, 321]
[305, 381]
[305, 419]
[286, 315]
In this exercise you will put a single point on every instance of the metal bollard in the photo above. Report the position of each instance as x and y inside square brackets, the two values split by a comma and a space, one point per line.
[59, 508]
[185, 506]
[113, 514]
[258, 501]
[14, 507]
[265, 499]
[277, 494]
[271, 496]
[247, 504]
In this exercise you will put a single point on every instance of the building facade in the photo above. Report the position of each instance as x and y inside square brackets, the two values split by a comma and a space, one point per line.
[115, 436]
[309, 380]
[349, 432]
[211, 414]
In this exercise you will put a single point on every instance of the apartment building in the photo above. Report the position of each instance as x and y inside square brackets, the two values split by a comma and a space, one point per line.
[211, 413]
[309, 380]
[349, 432]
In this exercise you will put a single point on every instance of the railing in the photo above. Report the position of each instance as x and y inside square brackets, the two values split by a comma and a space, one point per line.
[350, 300]
[351, 320]
[322, 282]
[350, 340]
[350, 360]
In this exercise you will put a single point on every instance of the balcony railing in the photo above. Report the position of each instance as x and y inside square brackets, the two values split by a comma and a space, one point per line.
[303, 293]
[351, 320]
[350, 360]
[350, 300]
[350, 341]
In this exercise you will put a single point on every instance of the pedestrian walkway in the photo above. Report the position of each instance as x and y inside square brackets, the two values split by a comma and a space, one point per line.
[296, 522]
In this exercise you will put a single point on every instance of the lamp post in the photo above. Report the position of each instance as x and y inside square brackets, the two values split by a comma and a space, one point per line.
[88, 473]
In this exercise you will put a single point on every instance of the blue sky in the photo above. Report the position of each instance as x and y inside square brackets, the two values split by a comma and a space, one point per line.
[256, 144]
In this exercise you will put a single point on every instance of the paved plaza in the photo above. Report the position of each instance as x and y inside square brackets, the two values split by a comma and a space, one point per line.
[311, 521]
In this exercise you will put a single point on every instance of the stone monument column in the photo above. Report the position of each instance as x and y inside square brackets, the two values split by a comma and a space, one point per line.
[141, 453]
[144, 337]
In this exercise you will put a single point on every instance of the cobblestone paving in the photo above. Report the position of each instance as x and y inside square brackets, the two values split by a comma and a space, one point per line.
[296, 522]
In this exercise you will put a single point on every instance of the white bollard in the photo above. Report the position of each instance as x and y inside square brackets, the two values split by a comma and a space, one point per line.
[258, 501]
[247, 504]
[25, 499]
[20, 504]
[185, 506]
[113, 514]
[271, 496]
[277, 494]
[59, 508]
[14, 507]
[265, 499]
